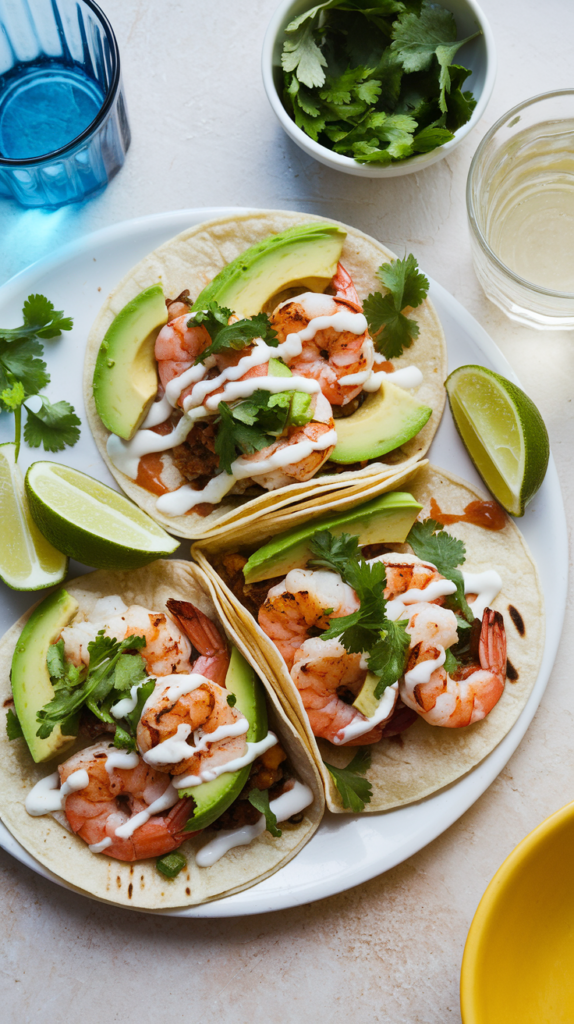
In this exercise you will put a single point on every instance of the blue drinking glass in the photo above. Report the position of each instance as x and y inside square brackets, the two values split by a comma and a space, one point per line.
[64, 128]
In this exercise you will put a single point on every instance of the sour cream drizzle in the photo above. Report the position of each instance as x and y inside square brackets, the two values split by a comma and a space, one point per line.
[176, 748]
[47, 795]
[407, 377]
[289, 803]
[209, 774]
[486, 585]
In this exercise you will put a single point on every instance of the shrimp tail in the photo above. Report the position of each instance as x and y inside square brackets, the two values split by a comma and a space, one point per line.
[202, 632]
[343, 285]
[492, 643]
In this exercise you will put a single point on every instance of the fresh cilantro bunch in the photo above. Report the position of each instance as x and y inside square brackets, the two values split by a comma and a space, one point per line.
[231, 336]
[249, 426]
[23, 375]
[355, 791]
[389, 328]
[376, 79]
[114, 667]
[367, 629]
[431, 543]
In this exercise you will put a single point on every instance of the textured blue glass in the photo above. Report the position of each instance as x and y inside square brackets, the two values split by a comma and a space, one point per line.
[64, 130]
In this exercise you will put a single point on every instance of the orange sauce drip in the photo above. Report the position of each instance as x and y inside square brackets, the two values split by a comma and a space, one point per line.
[149, 473]
[386, 366]
[487, 514]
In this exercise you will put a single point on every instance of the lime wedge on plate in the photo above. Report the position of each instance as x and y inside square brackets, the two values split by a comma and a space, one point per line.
[27, 560]
[503, 432]
[91, 522]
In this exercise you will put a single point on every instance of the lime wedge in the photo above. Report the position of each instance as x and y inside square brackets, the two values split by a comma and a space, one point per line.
[90, 521]
[503, 432]
[27, 560]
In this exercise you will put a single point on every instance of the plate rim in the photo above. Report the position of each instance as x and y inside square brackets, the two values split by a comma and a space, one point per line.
[475, 782]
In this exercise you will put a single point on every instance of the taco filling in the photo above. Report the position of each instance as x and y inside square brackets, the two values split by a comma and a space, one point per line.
[179, 722]
[247, 405]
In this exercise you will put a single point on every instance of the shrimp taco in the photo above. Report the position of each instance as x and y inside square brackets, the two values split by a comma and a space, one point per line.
[145, 762]
[256, 360]
[422, 654]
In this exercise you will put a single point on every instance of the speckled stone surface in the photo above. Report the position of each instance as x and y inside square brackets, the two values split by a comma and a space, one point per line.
[388, 951]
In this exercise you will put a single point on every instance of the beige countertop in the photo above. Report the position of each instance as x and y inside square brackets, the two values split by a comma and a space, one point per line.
[390, 950]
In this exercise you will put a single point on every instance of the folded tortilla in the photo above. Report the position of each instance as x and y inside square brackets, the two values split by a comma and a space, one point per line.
[191, 260]
[140, 884]
[424, 758]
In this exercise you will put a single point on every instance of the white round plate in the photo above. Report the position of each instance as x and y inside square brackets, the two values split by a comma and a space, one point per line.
[346, 850]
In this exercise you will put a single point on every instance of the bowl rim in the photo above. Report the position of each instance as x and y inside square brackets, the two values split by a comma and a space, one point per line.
[471, 209]
[337, 161]
[488, 907]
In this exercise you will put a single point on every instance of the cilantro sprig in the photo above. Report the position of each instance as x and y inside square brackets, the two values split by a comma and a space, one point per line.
[431, 543]
[111, 673]
[231, 336]
[355, 791]
[390, 329]
[367, 629]
[376, 79]
[250, 426]
[23, 374]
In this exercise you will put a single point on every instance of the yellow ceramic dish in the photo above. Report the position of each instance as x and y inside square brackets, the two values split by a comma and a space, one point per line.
[518, 963]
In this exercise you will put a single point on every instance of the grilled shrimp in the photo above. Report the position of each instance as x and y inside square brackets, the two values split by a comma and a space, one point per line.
[333, 351]
[112, 813]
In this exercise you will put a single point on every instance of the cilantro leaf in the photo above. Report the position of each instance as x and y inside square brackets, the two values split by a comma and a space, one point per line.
[391, 330]
[355, 791]
[450, 663]
[129, 671]
[420, 38]
[332, 552]
[13, 727]
[19, 361]
[259, 798]
[431, 137]
[234, 438]
[430, 542]
[144, 691]
[254, 424]
[40, 319]
[53, 425]
[235, 336]
[388, 656]
[231, 700]
[301, 53]
[13, 397]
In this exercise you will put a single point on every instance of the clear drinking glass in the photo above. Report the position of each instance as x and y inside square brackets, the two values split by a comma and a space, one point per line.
[64, 128]
[520, 202]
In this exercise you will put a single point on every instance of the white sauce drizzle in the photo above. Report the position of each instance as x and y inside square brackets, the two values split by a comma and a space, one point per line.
[486, 585]
[275, 385]
[101, 846]
[47, 795]
[407, 377]
[364, 725]
[209, 774]
[165, 801]
[121, 759]
[176, 748]
[285, 806]
[422, 672]
[126, 705]
[158, 413]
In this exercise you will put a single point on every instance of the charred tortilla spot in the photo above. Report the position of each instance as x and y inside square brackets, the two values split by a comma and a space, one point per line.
[511, 672]
[517, 619]
[130, 890]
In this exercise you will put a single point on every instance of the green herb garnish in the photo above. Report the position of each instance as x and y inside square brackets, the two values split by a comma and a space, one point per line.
[260, 799]
[23, 374]
[390, 329]
[13, 727]
[429, 541]
[98, 686]
[355, 791]
[367, 629]
[375, 80]
[171, 864]
[247, 427]
[231, 700]
[231, 336]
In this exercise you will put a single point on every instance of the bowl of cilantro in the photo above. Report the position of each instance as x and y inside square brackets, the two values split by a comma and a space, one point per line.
[378, 88]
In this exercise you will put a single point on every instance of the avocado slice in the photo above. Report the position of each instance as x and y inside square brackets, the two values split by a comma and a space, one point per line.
[31, 684]
[388, 517]
[386, 420]
[213, 798]
[125, 376]
[366, 702]
[304, 255]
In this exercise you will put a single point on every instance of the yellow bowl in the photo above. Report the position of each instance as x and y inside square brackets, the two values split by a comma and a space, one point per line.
[518, 963]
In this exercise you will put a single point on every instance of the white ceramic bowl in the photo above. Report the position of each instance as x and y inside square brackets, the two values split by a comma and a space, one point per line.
[479, 56]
